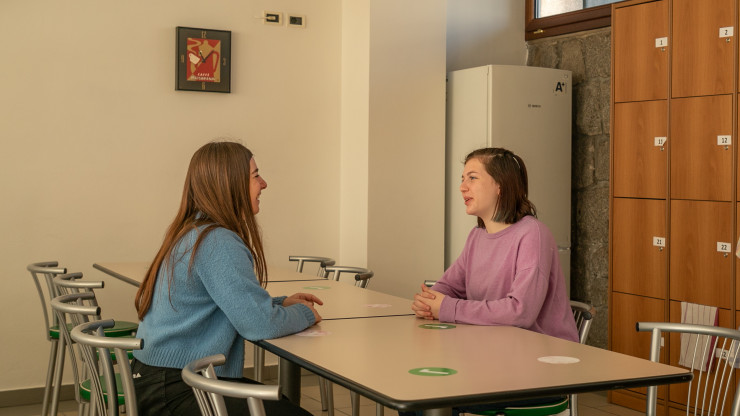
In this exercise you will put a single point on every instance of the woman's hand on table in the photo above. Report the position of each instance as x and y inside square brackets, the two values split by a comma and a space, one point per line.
[426, 304]
[305, 299]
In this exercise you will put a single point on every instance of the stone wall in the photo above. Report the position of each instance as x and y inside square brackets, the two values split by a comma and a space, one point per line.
[587, 55]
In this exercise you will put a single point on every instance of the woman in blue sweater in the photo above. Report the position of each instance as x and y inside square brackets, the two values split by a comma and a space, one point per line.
[204, 292]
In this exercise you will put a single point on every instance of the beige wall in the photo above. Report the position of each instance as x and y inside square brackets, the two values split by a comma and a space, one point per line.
[346, 118]
[97, 141]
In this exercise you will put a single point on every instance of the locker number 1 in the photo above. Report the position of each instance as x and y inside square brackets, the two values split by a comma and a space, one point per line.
[661, 42]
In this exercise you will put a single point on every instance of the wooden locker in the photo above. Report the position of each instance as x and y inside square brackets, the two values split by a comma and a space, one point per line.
[701, 161]
[640, 149]
[700, 271]
[639, 247]
[703, 46]
[632, 309]
[640, 52]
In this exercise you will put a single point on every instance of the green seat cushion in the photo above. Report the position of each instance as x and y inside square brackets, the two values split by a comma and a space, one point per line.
[545, 409]
[85, 390]
[120, 329]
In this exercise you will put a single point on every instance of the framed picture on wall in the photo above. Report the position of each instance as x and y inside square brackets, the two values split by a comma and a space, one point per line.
[203, 60]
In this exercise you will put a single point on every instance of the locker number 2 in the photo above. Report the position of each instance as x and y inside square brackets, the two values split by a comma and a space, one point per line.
[726, 32]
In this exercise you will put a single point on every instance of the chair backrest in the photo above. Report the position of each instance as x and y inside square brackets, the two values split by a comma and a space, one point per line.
[711, 353]
[43, 273]
[209, 390]
[302, 260]
[95, 349]
[77, 309]
[584, 314]
[362, 275]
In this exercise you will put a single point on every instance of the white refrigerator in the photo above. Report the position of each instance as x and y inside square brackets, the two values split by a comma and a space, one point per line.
[528, 111]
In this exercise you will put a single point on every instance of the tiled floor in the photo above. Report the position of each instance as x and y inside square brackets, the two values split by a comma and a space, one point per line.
[590, 404]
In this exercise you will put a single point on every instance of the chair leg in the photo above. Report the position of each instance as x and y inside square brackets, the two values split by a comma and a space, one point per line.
[259, 363]
[58, 373]
[379, 409]
[49, 377]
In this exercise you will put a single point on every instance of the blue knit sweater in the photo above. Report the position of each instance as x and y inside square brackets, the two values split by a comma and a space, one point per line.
[213, 309]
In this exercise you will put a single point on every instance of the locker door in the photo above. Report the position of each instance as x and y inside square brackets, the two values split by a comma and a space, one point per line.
[639, 255]
[701, 252]
[626, 311]
[701, 167]
[640, 149]
[641, 52]
[703, 47]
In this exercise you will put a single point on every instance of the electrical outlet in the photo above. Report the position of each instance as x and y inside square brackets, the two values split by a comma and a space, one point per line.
[296, 20]
[273, 18]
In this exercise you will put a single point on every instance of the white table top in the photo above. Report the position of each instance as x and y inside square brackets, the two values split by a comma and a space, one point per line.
[343, 300]
[374, 356]
[134, 272]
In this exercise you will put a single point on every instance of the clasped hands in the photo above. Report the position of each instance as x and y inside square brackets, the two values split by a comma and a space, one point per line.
[305, 299]
[426, 304]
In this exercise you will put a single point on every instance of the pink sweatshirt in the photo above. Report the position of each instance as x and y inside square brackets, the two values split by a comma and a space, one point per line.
[511, 277]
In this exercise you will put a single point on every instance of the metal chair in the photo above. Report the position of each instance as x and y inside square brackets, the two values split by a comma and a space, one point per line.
[98, 352]
[362, 275]
[714, 355]
[81, 309]
[209, 390]
[43, 273]
[302, 260]
[584, 314]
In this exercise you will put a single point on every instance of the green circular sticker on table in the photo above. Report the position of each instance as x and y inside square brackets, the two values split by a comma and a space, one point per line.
[437, 326]
[432, 371]
[317, 287]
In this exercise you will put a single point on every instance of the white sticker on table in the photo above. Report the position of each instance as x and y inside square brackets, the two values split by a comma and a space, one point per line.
[378, 305]
[313, 333]
[558, 359]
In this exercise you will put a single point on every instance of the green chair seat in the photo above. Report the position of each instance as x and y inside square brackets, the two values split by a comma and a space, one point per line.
[85, 390]
[121, 329]
[546, 409]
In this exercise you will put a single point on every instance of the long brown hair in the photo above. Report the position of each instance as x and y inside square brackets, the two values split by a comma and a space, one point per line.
[509, 172]
[216, 194]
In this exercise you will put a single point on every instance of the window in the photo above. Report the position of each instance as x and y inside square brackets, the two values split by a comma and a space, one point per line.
[557, 17]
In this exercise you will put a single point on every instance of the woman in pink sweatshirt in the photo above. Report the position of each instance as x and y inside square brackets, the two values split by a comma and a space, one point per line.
[509, 271]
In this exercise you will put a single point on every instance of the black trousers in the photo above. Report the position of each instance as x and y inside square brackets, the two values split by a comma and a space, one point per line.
[160, 391]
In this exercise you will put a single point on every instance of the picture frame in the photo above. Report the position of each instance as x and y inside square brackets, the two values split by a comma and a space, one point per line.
[203, 61]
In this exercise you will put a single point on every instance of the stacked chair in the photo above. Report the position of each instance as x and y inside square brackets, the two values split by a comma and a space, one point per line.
[209, 390]
[43, 274]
